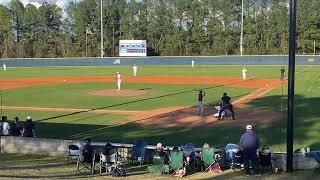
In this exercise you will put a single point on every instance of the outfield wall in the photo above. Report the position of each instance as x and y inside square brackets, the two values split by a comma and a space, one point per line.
[152, 61]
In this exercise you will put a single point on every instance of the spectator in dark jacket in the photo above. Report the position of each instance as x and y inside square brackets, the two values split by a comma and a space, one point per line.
[28, 128]
[16, 127]
[249, 143]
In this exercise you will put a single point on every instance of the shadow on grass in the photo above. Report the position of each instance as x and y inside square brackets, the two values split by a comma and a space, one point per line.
[306, 118]
[273, 134]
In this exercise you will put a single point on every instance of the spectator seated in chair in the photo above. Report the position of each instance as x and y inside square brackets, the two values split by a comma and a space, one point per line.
[87, 151]
[162, 153]
[191, 157]
[265, 157]
[109, 149]
[160, 160]
[311, 154]
[109, 158]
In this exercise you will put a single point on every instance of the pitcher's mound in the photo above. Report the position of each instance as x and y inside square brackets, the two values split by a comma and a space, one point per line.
[115, 92]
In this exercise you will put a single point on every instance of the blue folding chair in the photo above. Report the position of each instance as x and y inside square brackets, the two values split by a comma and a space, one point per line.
[235, 159]
[138, 151]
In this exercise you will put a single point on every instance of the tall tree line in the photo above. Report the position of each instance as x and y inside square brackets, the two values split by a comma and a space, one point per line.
[171, 27]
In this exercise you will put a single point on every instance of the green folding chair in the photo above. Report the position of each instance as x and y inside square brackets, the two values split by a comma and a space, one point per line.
[158, 165]
[176, 161]
[207, 157]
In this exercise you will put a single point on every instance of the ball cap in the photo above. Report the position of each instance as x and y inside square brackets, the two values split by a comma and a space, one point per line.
[118, 72]
[248, 127]
[29, 117]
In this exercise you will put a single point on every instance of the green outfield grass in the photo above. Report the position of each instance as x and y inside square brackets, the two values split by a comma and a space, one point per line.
[116, 128]
[203, 70]
[75, 95]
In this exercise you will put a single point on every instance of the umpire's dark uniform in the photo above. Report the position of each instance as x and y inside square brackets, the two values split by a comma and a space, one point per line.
[226, 105]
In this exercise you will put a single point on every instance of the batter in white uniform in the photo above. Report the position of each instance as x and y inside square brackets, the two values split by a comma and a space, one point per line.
[119, 80]
[244, 73]
[135, 69]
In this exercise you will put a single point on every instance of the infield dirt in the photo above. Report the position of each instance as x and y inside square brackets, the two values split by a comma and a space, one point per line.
[166, 117]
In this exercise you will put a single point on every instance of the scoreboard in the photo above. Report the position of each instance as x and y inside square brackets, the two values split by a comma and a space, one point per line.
[132, 48]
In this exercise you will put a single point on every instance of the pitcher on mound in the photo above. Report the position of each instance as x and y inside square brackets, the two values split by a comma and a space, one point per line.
[118, 81]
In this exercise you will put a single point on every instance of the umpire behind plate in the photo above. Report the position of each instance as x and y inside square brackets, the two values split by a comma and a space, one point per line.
[226, 105]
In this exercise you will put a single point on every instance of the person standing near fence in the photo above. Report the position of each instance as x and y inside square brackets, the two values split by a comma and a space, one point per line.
[192, 63]
[201, 94]
[249, 143]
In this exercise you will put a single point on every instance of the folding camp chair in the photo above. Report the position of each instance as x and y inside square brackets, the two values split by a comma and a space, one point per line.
[207, 157]
[138, 151]
[265, 160]
[176, 162]
[109, 162]
[73, 152]
[192, 161]
[235, 159]
[87, 160]
[158, 165]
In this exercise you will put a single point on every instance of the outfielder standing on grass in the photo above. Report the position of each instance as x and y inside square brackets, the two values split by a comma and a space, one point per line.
[118, 80]
[135, 69]
[202, 93]
[244, 73]
[4, 67]
[282, 71]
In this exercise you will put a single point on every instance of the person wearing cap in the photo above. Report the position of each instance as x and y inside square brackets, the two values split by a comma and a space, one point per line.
[201, 94]
[16, 127]
[118, 80]
[161, 152]
[249, 143]
[29, 128]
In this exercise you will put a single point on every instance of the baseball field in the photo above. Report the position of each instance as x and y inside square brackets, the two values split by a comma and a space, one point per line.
[160, 104]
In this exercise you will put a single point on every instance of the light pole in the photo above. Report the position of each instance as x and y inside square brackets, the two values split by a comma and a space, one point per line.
[101, 25]
[86, 41]
[291, 76]
[241, 36]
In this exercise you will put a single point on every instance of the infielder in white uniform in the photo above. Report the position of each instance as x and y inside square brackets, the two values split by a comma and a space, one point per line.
[192, 63]
[135, 69]
[119, 80]
[244, 73]
[4, 67]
